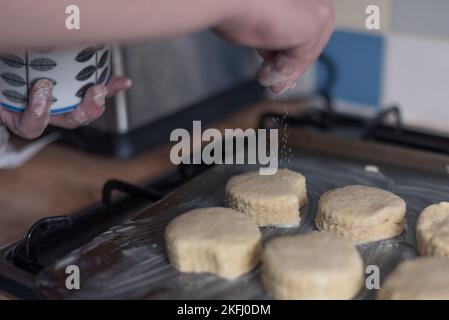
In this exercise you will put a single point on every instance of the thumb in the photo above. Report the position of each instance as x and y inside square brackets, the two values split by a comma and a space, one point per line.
[36, 116]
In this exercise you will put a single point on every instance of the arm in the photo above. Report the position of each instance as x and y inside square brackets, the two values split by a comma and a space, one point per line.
[288, 34]
[108, 20]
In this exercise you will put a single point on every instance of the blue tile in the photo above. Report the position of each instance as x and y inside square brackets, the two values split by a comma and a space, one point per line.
[358, 59]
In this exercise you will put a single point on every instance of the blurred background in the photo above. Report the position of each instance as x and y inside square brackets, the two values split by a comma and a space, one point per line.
[201, 77]
[360, 76]
[404, 63]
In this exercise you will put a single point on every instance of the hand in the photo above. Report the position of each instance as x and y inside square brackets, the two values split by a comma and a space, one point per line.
[32, 122]
[289, 36]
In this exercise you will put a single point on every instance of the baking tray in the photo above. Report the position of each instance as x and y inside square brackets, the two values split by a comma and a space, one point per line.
[129, 261]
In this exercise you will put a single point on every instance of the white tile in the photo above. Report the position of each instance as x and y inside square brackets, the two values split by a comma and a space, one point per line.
[416, 77]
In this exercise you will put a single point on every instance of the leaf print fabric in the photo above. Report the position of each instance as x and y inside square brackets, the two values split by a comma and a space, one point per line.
[13, 79]
[82, 91]
[14, 96]
[86, 54]
[42, 64]
[12, 60]
[86, 73]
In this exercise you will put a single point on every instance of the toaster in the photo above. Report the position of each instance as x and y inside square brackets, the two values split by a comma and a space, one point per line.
[176, 81]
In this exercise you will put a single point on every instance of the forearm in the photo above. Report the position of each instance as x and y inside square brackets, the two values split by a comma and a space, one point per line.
[42, 23]
[289, 34]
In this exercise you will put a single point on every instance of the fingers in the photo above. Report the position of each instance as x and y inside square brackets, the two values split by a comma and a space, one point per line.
[118, 84]
[10, 120]
[33, 121]
[281, 72]
[93, 104]
[36, 116]
[91, 108]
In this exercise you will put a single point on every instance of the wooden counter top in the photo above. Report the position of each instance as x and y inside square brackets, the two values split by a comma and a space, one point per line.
[60, 179]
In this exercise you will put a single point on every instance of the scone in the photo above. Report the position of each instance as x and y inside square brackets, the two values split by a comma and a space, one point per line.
[425, 278]
[216, 240]
[432, 230]
[271, 200]
[317, 265]
[361, 214]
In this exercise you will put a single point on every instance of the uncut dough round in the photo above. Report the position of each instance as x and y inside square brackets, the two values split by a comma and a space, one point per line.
[270, 200]
[361, 214]
[432, 230]
[317, 265]
[221, 241]
[424, 278]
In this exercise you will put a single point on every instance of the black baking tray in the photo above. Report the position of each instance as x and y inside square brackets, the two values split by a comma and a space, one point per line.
[129, 260]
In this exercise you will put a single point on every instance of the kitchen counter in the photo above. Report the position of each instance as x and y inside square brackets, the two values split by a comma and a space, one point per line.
[61, 179]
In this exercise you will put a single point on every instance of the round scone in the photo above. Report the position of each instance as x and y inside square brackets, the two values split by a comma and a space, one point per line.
[216, 240]
[425, 278]
[270, 200]
[317, 265]
[432, 230]
[361, 213]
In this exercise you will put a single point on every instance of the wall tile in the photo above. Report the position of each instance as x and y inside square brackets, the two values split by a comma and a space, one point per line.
[416, 78]
[421, 17]
[358, 58]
